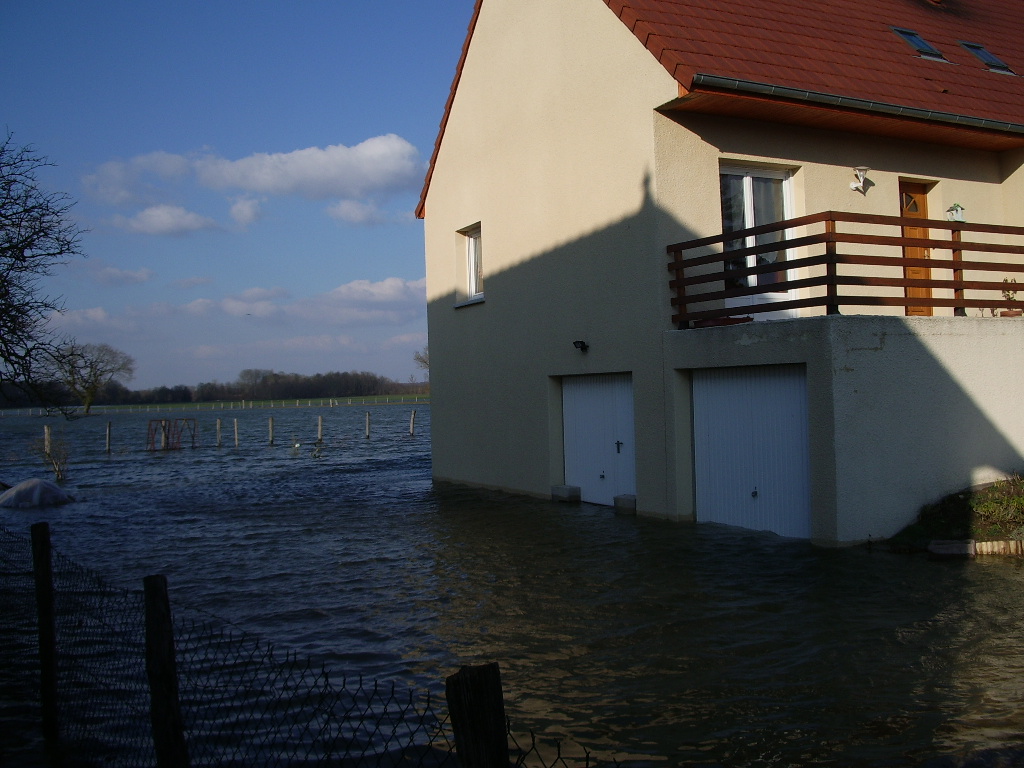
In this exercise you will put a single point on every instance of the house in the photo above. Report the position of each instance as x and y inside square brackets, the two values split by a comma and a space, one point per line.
[704, 259]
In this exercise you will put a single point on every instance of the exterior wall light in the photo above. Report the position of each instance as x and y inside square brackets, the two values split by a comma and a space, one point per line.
[861, 172]
[581, 345]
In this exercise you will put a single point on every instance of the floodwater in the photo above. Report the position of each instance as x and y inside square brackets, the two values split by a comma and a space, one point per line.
[695, 645]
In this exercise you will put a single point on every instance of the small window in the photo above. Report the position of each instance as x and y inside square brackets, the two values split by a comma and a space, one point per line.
[474, 263]
[919, 44]
[987, 58]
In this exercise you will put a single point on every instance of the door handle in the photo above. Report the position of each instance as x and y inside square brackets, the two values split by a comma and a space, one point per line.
[618, 446]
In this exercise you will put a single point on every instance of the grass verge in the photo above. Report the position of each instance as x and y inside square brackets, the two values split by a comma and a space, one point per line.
[991, 513]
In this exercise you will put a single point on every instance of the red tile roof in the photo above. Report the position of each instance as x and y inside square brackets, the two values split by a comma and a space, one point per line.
[835, 63]
[843, 47]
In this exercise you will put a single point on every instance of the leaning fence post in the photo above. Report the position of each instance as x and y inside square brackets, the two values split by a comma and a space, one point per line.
[477, 711]
[161, 669]
[42, 567]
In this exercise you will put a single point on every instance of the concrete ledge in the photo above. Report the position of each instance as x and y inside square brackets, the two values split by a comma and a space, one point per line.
[971, 548]
[952, 548]
[567, 493]
[1012, 547]
[625, 504]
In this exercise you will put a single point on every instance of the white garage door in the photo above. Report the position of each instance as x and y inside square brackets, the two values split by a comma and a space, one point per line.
[597, 424]
[751, 458]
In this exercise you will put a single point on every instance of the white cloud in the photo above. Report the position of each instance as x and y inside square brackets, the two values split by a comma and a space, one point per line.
[120, 182]
[245, 211]
[382, 164]
[390, 289]
[320, 343]
[108, 275]
[200, 307]
[165, 220]
[355, 212]
[391, 301]
[262, 294]
[192, 282]
[362, 302]
[91, 318]
[406, 340]
[358, 178]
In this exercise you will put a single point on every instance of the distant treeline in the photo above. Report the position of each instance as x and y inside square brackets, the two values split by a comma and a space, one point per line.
[252, 384]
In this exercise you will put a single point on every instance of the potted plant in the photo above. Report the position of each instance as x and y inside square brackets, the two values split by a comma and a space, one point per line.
[955, 212]
[1010, 294]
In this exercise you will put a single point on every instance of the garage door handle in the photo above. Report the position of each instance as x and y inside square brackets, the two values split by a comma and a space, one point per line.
[618, 446]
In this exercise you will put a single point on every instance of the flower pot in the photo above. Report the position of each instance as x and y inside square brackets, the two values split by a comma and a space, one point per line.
[1011, 312]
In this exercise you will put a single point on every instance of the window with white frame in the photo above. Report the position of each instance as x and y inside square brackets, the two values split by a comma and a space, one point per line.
[474, 262]
[752, 197]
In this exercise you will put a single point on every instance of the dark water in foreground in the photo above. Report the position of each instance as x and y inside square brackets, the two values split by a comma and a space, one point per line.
[698, 644]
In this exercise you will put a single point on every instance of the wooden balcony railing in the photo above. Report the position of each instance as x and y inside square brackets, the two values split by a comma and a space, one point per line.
[807, 266]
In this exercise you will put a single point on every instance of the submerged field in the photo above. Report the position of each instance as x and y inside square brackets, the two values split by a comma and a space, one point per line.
[695, 645]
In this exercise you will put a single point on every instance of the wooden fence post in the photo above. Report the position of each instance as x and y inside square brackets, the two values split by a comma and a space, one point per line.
[477, 710]
[42, 567]
[162, 672]
[412, 423]
[271, 426]
[108, 436]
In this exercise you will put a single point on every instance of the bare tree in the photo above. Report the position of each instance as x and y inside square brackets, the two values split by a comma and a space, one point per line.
[86, 368]
[36, 235]
[422, 359]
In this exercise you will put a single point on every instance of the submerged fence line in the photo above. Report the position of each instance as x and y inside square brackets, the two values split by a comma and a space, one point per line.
[236, 405]
[176, 433]
[124, 681]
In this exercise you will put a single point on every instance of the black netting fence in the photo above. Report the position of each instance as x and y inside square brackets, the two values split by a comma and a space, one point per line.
[240, 703]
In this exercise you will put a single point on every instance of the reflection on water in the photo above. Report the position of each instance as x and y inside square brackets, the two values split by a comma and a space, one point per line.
[698, 644]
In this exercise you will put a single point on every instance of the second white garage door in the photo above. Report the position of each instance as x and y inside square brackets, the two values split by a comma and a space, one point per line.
[751, 456]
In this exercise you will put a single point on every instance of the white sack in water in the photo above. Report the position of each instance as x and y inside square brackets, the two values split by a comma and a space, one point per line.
[34, 493]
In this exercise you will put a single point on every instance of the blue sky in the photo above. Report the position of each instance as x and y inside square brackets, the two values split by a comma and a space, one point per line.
[247, 172]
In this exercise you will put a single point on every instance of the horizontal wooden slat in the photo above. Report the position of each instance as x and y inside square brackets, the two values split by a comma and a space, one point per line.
[821, 268]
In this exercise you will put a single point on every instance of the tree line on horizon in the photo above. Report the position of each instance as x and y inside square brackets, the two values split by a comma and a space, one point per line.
[252, 384]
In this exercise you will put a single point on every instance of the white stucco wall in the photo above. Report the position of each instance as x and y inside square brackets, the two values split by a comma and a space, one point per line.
[549, 146]
[556, 147]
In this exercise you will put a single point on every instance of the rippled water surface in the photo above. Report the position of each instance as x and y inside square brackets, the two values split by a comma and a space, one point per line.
[699, 645]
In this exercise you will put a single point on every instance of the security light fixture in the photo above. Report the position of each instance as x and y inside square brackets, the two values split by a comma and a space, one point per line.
[861, 172]
[581, 345]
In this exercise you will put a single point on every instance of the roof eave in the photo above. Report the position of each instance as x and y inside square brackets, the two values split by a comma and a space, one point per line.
[714, 94]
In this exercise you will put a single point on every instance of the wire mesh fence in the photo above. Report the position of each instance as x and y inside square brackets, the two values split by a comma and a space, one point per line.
[241, 704]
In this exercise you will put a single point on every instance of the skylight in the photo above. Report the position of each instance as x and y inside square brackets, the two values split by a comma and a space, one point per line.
[988, 58]
[919, 44]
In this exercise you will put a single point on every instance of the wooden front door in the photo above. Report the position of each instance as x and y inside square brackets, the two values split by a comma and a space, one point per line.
[914, 205]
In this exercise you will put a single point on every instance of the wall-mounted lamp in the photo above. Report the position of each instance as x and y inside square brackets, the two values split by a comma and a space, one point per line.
[581, 345]
[861, 171]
